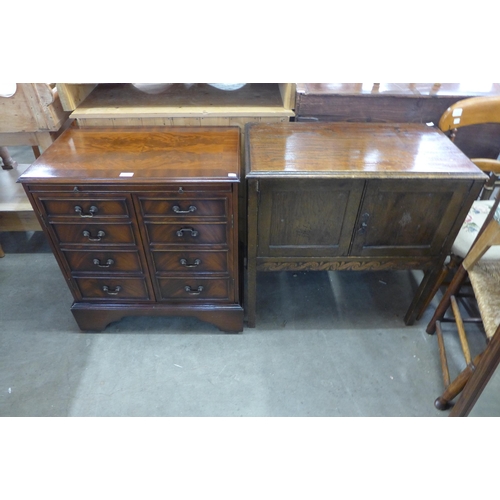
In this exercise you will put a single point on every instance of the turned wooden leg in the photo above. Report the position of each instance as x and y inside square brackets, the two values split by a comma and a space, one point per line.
[454, 286]
[8, 162]
[2, 253]
[457, 386]
[251, 295]
[478, 380]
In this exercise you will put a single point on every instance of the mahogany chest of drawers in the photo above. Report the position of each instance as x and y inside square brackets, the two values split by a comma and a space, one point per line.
[143, 221]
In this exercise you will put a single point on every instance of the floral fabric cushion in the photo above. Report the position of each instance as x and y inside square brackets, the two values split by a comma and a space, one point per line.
[471, 226]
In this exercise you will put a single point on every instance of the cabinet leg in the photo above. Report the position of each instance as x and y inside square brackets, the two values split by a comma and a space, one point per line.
[251, 295]
[419, 302]
[95, 321]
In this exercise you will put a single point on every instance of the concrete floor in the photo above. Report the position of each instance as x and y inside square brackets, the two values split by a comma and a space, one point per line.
[326, 344]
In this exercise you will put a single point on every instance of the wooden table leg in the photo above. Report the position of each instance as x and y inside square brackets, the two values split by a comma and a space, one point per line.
[419, 301]
[8, 162]
[252, 242]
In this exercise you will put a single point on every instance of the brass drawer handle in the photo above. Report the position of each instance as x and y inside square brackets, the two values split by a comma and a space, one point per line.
[193, 232]
[178, 210]
[92, 211]
[100, 235]
[189, 290]
[108, 290]
[109, 263]
[196, 263]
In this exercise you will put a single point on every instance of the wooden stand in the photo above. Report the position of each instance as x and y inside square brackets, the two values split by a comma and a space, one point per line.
[354, 196]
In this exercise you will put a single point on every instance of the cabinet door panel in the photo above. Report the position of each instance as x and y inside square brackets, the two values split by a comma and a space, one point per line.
[407, 217]
[307, 217]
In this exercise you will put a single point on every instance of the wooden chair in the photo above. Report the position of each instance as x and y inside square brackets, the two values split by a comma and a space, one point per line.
[484, 276]
[472, 111]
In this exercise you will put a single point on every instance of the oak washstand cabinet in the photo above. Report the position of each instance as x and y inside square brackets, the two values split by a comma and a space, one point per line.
[143, 221]
[354, 196]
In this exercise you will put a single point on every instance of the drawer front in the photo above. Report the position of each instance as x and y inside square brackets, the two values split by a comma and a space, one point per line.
[95, 234]
[190, 262]
[85, 208]
[182, 208]
[193, 289]
[187, 234]
[112, 288]
[103, 262]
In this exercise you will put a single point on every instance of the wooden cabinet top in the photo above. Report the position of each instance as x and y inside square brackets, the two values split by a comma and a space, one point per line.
[348, 150]
[140, 155]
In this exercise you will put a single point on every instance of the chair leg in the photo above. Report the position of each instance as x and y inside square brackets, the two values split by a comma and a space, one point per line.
[441, 309]
[443, 402]
[482, 374]
[2, 253]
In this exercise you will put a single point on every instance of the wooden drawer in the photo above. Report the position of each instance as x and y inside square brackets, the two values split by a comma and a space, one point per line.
[112, 288]
[187, 234]
[190, 262]
[85, 208]
[182, 208]
[103, 262]
[94, 234]
[193, 289]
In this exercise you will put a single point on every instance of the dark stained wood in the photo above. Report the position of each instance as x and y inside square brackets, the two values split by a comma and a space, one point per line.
[325, 196]
[361, 150]
[131, 244]
[394, 103]
[303, 218]
[97, 261]
[195, 261]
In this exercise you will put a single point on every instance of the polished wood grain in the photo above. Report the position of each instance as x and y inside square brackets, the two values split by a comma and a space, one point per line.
[145, 155]
[326, 196]
[163, 241]
[191, 261]
[97, 261]
[355, 149]
[186, 234]
[399, 103]
[113, 288]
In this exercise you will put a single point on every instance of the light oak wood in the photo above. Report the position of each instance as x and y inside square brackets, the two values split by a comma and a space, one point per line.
[73, 94]
[473, 111]
[201, 101]
[34, 107]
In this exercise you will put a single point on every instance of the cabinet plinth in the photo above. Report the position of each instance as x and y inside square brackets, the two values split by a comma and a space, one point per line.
[143, 222]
